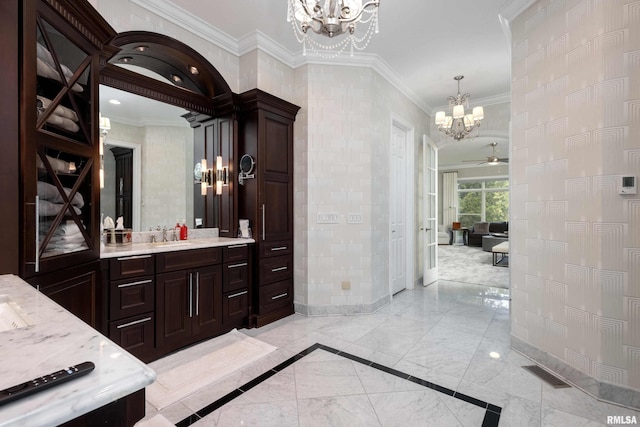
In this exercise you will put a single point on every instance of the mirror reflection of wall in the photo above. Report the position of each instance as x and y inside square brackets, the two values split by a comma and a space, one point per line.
[164, 142]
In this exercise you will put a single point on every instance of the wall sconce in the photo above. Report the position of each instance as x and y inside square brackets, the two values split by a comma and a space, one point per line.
[205, 176]
[105, 127]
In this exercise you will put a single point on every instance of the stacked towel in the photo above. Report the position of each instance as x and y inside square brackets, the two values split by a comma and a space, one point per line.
[61, 116]
[49, 192]
[66, 238]
[46, 67]
[58, 166]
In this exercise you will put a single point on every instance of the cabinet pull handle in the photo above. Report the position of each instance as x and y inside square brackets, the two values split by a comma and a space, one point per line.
[133, 257]
[273, 270]
[37, 266]
[237, 294]
[141, 282]
[237, 246]
[263, 230]
[197, 293]
[243, 264]
[279, 248]
[135, 322]
[280, 296]
[190, 294]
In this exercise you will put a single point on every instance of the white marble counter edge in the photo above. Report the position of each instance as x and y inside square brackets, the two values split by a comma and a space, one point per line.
[55, 340]
[160, 247]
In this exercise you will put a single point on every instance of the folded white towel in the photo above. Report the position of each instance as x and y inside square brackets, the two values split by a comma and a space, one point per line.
[45, 70]
[63, 123]
[50, 192]
[65, 228]
[46, 208]
[60, 110]
[58, 166]
[44, 54]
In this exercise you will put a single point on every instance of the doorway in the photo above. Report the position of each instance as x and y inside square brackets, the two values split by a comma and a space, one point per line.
[401, 241]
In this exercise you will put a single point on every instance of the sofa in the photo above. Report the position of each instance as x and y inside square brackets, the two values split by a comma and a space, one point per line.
[480, 229]
[443, 235]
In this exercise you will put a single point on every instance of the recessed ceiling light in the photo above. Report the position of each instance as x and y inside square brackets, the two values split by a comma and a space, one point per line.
[114, 102]
[176, 78]
[194, 70]
[141, 48]
[126, 59]
[494, 355]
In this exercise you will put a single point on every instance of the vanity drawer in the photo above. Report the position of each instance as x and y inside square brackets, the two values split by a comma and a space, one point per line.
[235, 275]
[235, 308]
[183, 260]
[135, 334]
[130, 266]
[130, 297]
[275, 296]
[235, 252]
[275, 269]
[269, 249]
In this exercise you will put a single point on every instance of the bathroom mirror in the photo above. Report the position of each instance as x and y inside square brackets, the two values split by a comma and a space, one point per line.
[155, 144]
[148, 161]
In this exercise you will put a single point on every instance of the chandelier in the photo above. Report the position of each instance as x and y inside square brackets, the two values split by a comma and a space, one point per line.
[332, 18]
[459, 124]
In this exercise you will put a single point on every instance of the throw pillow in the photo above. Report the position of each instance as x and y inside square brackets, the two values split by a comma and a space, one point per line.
[481, 228]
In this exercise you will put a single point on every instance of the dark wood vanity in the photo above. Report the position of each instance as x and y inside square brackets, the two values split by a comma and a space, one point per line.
[55, 54]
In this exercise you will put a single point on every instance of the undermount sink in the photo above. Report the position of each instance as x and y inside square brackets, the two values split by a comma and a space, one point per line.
[11, 315]
[179, 243]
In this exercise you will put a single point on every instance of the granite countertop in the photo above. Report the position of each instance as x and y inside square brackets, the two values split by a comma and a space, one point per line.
[159, 247]
[55, 339]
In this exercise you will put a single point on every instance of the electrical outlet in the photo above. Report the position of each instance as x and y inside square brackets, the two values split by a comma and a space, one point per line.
[346, 284]
[328, 218]
[354, 218]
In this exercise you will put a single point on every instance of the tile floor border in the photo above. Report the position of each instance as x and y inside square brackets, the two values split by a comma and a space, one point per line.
[491, 417]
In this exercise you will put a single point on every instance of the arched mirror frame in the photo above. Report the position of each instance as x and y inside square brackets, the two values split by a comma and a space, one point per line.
[192, 83]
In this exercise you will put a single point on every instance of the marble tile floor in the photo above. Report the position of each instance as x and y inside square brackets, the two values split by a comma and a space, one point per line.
[436, 356]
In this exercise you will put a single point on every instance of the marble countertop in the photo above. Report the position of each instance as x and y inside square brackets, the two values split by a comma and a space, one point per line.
[55, 339]
[159, 247]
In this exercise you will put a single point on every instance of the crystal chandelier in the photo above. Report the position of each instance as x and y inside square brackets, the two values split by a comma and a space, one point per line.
[459, 124]
[332, 18]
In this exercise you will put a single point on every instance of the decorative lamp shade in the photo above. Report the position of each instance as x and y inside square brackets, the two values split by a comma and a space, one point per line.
[468, 120]
[458, 111]
[478, 113]
[440, 118]
[448, 121]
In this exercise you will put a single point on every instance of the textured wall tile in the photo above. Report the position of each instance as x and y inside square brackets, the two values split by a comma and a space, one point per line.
[632, 313]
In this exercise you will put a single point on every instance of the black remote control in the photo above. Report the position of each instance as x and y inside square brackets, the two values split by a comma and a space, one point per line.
[41, 383]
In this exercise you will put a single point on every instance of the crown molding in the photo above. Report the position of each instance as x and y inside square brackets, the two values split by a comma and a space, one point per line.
[489, 100]
[258, 40]
[190, 22]
[514, 8]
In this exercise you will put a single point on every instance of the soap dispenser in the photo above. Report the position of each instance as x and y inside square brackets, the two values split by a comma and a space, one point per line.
[183, 230]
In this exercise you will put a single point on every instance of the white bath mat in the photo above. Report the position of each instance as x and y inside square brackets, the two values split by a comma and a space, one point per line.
[157, 421]
[183, 380]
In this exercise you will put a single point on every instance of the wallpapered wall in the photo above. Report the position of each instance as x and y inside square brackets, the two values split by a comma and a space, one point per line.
[575, 260]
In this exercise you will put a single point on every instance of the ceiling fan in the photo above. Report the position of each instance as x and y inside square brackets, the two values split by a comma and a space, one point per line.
[492, 159]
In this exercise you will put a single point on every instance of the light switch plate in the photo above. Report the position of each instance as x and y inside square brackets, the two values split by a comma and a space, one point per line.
[328, 218]
[354, 218]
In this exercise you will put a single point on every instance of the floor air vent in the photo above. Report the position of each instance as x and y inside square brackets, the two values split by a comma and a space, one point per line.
[547, 377]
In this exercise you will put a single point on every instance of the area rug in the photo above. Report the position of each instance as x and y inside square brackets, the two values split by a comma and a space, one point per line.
[468, 264]
[183, 380]
[157, 421]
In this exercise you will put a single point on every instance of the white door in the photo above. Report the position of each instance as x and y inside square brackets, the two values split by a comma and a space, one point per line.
[430, 211]
[398, 201]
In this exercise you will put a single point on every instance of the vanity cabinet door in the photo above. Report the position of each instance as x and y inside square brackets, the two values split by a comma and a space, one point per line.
[207, 302]
[188, 306]
[174, 310]
[76, 289]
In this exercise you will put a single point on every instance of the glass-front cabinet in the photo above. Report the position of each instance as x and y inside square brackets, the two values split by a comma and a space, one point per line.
[59, 154]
